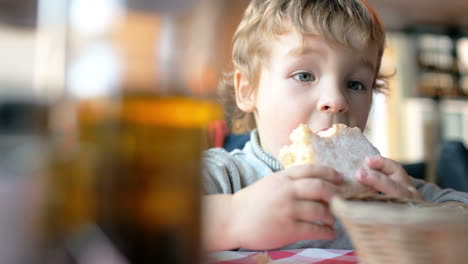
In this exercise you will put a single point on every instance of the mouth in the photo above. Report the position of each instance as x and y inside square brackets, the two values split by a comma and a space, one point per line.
[324, 129]
[321, 130]
[328, 128]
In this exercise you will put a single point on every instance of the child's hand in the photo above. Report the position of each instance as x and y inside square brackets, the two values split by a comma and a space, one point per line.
[388, 177]
[285, 207]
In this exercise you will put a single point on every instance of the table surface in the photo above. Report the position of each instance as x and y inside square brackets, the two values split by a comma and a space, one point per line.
[299, 256]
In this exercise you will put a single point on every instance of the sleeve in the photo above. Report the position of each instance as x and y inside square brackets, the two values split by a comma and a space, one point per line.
[219, 172]
[434, 194]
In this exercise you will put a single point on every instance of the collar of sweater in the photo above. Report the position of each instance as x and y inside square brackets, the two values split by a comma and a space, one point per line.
[261, 154]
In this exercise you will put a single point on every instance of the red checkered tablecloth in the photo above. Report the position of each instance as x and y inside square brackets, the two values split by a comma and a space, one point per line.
[299, 256]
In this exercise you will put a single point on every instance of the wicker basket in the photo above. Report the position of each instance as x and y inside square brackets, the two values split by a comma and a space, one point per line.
[395, 231]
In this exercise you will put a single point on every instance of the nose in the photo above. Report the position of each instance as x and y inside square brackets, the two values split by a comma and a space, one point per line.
[332, 100]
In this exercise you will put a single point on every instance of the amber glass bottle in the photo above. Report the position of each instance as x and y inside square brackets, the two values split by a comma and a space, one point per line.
[148, 189]
[135, 176]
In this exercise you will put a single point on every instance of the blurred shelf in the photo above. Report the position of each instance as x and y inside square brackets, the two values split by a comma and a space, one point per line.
[21, 14]
[441, 64]
[404, 14]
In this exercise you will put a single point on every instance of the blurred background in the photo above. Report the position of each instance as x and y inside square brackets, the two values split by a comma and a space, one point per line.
[54, 51]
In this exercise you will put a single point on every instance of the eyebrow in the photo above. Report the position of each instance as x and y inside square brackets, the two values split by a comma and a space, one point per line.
[303, 50]
[367, 64]
[300, 50]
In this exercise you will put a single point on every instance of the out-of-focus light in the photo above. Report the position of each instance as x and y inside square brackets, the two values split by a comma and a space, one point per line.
[94, 17]
[463, 54]
[95, 73]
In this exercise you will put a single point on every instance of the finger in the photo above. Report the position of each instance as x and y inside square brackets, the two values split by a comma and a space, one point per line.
[383, 183]
[312, 231]
[314, 189]
[416, 195]
[388, 167]
[313, 212]
[315, 171]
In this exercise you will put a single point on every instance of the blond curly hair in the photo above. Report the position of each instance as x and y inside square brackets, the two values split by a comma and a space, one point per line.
[334, 20]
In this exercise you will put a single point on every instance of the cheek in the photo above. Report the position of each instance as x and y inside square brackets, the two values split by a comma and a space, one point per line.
[361, 110]
[291, 112]
[278, 126]
[290, 120]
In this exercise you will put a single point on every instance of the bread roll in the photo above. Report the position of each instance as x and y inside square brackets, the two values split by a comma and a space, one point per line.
[340, 147]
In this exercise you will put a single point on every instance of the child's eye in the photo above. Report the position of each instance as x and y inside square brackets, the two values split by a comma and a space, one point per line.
[304, 77]
[355, 85]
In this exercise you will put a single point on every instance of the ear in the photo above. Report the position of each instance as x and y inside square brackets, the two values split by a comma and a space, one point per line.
[245, 95]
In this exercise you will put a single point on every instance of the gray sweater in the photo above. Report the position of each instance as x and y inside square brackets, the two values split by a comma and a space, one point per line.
[228, 172]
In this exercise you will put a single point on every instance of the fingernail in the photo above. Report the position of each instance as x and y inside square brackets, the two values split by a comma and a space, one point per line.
[373, 158]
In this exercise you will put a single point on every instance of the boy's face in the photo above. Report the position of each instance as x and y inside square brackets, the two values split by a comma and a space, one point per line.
[312, 82]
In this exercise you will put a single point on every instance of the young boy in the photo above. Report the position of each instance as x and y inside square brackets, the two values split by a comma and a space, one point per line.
[298, 61]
